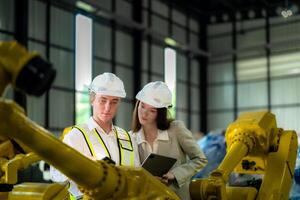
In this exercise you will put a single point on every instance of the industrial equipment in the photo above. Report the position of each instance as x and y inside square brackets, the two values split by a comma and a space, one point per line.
[96, 179]
[254, 146]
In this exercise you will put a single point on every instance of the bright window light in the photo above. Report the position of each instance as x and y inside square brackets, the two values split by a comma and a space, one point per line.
[170, 42]
[83, 66]
[85, 6]
[170, 75]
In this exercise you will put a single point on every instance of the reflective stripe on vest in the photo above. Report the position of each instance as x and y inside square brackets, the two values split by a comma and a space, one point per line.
[72, 197]
[126, 153]
[102, 142]
[125, 145]
[87, 140]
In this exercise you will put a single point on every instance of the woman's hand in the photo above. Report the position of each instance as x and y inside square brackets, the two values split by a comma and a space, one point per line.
[164, 181]
[167, 178]
[170, 176]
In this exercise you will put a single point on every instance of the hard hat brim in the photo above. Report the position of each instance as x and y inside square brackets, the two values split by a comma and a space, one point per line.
[110, 93]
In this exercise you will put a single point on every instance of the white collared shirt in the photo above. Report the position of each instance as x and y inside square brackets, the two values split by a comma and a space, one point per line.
[144, 146]
[109, 139]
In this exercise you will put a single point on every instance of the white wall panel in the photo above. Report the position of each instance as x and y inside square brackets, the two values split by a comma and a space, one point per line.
[179, 17]
[61, 109]
[194, 25]
[181, 95]
[62, 28]
[179, 34]
[195, 99]
[102, 41]
[7, 17]
[195, 123]
[145, 59]
[36, 109]
[124, 8]
[194, 41]
[288, 118]
[124, 48]
[222, 28]
[63, 62]
[219, 120]
[220, 97]
[195, 68]
[126, 75]
[220, 71]
[157, 78]
[182, 116]
[285, 91]
[157, 59]
[252, 94]
[159, 7]
[225, 42]
[181, 67]
[37, 20]
[159, 25]
[40, 48]
[100, 67]
[124, 115]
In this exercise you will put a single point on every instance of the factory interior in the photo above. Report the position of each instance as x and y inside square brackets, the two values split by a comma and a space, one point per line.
[219, 58]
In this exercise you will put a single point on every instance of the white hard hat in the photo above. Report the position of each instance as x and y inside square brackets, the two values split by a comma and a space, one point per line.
[156, 94]
[108, 84]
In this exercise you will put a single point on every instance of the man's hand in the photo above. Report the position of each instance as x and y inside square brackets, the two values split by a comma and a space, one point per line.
[109, 160]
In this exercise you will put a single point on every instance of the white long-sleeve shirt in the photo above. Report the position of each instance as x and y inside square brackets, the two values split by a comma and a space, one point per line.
[76, 140]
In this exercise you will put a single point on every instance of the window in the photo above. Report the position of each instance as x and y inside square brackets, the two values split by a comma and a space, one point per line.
[83, 66]
[170, 74]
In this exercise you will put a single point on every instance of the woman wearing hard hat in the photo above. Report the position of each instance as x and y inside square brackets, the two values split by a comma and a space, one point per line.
[155, 133]
[98, 138]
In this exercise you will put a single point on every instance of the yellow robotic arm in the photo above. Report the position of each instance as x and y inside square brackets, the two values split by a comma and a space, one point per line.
[97, 180]
[254, 146]
[29, 73]
[25, 71]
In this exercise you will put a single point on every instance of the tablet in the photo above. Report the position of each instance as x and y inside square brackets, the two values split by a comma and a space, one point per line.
[158, 165]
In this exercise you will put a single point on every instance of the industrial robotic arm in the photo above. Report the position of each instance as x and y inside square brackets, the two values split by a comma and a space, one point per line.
[97, 180]
[29, 73]
[26, 71]
[254, 146]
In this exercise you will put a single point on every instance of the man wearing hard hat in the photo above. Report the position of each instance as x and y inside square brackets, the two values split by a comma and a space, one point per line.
[98, 138]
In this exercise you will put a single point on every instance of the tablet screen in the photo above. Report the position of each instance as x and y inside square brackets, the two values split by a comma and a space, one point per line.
[158, 165]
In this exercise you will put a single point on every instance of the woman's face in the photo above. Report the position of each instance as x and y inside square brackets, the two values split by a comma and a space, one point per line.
[147, 114]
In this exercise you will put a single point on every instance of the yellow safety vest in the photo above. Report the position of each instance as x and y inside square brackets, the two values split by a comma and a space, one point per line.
[126, 153]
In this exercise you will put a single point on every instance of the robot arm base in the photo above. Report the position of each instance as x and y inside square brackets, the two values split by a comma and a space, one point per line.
[212, 188]
[42, 191]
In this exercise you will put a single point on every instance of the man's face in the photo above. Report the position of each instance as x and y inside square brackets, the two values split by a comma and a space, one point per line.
[105, 107]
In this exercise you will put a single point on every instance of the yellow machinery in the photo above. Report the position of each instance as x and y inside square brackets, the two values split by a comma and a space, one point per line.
[96, 179]
[254, 146]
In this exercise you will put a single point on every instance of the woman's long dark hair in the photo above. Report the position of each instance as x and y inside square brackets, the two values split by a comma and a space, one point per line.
[162, 120]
